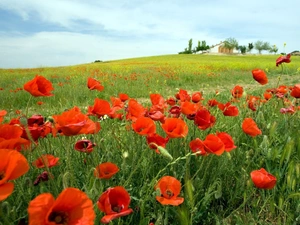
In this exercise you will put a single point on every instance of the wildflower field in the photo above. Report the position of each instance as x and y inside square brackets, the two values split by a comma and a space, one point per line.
[177, 139]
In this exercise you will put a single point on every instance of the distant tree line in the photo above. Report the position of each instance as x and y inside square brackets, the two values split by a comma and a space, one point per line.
[232, 43]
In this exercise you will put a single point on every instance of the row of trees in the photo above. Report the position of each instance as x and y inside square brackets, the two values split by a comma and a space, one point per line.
[232, 43]
[202, 46]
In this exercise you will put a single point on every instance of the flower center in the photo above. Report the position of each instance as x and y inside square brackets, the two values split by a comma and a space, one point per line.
[2, 175]
[169, 194]
[117, 208]
[58, 218]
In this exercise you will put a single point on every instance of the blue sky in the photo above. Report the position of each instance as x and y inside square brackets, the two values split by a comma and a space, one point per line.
[38, 33]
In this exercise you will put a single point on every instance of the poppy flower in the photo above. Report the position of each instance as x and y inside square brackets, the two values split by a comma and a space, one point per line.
[46, 160]
[106, 170]
[11, 137]
[117, 106]
[197, 97]
[175, 128]
[260, 76]
[134, 110]
[100, 108]
[73, 122]
[12, 165]
[156, 115]
[212, 102]
[44, 176]
[39, 86]
[197, 146]
[2, 114]
[262, 179]
[253, 102]
[283, 59]
[237, 91]
[84, 146]
[213, 144]
[144, 126]
[114, 202]
[123, 97]
[171, 101]
[228, 109]
[250, 127]
[175, 111]
[183, 95]
[296, 91]
[290, 110]
[93, 84]
[158, 102]
[189, 108]
[154, 140]
[40, 103]
[72, 206]
[267, 95]
[169, 188]
[227, 140]
[203, 119]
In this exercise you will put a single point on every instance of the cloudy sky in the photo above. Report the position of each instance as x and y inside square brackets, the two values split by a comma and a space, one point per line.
[38, 33]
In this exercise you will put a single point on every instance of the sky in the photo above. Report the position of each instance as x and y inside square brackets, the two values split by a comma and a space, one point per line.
[40, 33]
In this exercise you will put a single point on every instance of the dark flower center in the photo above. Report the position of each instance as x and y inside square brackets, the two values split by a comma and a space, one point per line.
[2, 175]
[58, 218]
[169, 193]
[117, 208]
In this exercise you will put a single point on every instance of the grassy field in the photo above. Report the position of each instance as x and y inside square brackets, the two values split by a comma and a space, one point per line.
[217, 188]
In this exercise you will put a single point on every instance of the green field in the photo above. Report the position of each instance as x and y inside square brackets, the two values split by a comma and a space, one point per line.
[217, 189]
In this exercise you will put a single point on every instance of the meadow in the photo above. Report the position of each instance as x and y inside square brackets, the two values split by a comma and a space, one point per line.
[173, 130]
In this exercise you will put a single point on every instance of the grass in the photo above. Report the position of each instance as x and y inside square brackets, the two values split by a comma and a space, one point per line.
[216, 189]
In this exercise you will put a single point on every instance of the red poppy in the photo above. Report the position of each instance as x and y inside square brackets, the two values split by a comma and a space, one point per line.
[106, 170]
[260, 76]
[156, 115]
[40, 103]
[72, 206]
[171, 101]
[114, 202]
[212, 102]
[250, 127]
[213, 144]
[228, 109]
[175, 111]
[2, 114]
[227, 140]
[237, 91]
[262, 179]
[197, 146]
[117, 106]
[46, 160]
[123, 97]
[283, 59]
[155, 140]
[267, 95]
[11, 137]
[39, 86]
[93, 84]
[12, 165]
[169, 188]
[253, 102]
[183, 95]
[100, 108]
[158, 102]
[189, 108]
[197, 97]
[144, 126]
[73, 122]
[134, 110]
[290, 110]
[84, 145]
[203, 119]
[296, 91]
[175, 128]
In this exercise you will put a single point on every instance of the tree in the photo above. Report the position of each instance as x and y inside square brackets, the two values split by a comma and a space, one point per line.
[250, 47]
[273, 49]
[231, 43]
[201, 46]
[261, 46]
[242, 48]
[189, 49]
